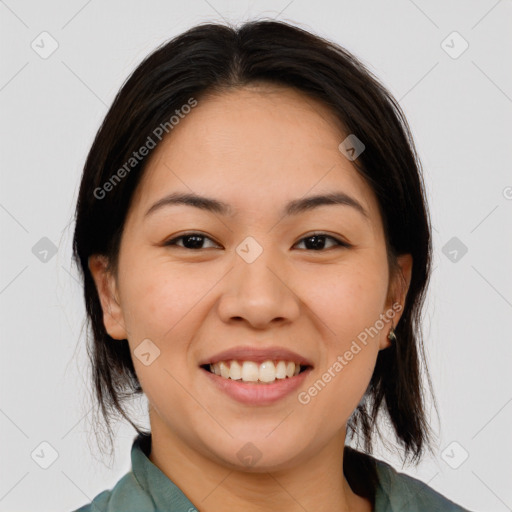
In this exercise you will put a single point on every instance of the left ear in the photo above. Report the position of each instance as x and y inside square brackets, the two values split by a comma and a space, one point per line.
[398, 288]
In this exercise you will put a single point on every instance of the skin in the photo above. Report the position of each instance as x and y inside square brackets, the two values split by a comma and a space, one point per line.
[256, 148]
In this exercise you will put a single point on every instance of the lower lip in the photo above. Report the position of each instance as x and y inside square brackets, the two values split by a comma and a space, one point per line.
[257, 394]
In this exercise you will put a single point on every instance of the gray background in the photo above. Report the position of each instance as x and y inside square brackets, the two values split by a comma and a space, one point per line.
[460, 111]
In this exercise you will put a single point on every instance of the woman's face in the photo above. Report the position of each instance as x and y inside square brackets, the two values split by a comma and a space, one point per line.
[254, 282]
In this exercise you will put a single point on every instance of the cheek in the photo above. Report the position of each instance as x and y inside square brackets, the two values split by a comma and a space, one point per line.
[351, 382]
[159, 297]
[348, 299]
[160, 302]
[164, 304]
[349, 303]
[337, 388]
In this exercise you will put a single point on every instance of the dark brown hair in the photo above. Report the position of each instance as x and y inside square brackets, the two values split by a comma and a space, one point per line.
[213, 58]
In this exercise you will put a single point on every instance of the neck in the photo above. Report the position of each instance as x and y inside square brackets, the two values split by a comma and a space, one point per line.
[316, 484]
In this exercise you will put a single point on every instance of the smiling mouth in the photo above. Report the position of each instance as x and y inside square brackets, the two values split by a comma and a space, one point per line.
[256, 373]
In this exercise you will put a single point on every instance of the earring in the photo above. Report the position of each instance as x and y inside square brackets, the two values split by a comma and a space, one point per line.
[391, 335]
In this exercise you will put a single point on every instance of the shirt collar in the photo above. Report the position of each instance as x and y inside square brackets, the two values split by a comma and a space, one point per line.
[167, 496]
[164, 493]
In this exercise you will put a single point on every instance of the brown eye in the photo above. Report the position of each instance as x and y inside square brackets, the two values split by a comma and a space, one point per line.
[314, 242]
[191, 241]
[317, 241]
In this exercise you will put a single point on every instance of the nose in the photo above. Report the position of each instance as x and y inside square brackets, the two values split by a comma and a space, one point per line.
[258, 293]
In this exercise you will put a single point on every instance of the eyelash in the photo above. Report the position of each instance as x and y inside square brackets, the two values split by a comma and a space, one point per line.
[338, 242]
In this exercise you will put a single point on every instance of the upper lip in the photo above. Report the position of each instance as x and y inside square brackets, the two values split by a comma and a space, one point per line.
[256, 354]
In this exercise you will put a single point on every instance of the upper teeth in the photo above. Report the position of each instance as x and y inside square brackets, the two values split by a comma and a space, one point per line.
[249, 371]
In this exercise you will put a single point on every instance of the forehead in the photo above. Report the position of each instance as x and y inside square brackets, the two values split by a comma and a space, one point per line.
[251, 146]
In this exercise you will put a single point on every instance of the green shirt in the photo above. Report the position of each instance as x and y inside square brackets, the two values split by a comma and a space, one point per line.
[145, 488]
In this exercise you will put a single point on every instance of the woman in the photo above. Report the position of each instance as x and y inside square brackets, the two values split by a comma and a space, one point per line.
[255, 246]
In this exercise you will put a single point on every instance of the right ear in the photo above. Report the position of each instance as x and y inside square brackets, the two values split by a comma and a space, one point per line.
[107, 292]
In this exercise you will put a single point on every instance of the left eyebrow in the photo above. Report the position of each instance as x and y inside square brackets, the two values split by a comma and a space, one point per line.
[335, 198]
[294, 207]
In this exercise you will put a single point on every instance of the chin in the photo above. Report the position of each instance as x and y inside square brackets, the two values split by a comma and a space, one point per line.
[257, 453]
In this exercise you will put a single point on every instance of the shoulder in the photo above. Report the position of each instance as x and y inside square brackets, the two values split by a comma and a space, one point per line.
[127, 495]
[398, 491]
